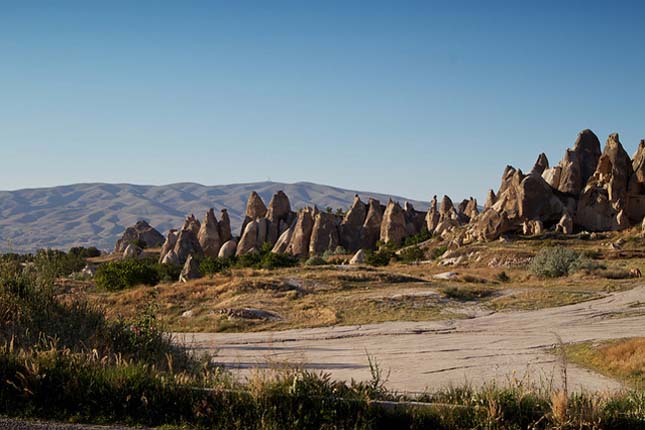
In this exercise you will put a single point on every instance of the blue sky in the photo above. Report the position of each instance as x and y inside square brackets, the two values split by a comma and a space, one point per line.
[410, 98]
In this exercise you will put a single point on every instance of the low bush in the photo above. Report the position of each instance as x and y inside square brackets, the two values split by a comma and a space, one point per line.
[438, 252]
[210, 266]
[315, 261]
[422, 236]
[121, 274]
[82, 252]
[382, 257]
[554, 262]
[466, 294]
[411, 254]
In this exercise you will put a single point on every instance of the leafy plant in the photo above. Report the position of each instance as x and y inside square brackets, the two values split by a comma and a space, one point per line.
[554, 262]
[412, 253]
[118, 275]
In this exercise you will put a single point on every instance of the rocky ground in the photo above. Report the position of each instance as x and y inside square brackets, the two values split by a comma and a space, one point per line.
[19, 424]
[501, 347]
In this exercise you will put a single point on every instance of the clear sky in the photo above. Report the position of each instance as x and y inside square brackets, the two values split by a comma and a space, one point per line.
[402, 97]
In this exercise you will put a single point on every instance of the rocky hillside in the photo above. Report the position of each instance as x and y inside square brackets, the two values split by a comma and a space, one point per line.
[97, 214]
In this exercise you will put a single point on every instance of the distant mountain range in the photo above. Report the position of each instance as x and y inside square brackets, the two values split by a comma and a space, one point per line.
[96, 214]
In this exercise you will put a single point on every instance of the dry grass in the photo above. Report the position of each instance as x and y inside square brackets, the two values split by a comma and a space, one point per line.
[623, 359]
[328, 295]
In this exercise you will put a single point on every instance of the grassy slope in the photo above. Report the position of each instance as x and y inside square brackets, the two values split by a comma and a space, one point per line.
[621, 359]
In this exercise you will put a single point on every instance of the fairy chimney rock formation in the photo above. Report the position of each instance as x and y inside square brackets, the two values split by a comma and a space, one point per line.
[393, 224]
[208, 235]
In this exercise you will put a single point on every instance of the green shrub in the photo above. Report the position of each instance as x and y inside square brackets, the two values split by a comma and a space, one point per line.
[381, 257]
[339, 250]
[53, 263]
[502, 277]
[554, 262]
[82, 252]
[209, 265]
[118, 275]
[412, 253]
[422, 236]
[140, 243]
[466, 294]
[438, 252]
[272, 260]
[315, 261]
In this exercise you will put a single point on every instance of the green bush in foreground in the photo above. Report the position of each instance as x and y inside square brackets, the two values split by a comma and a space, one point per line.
[554, 262]
[382, 257]
[121, 274]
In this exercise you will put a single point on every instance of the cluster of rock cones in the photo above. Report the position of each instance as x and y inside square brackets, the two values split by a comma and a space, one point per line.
[588, 190]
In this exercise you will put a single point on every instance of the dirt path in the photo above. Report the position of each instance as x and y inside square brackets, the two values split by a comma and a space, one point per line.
[434, 354]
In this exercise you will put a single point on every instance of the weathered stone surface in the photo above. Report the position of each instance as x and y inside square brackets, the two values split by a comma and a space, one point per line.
[191, 223]
[169, 244]
[605, 194]
[324, 234]
[249, 240]
[228, 249]
[471, 210]
[190, 270]
[414, 220]
[358, 258]
[491, 224]
[432, 217]
[224, 226]
[371, 231]
[187, 244]
[541, 164]
[393, 224]
[279, 208]
[300, 238]
[170, 258]
[552, 176]
[208, 235]
[132, 251]
[491, 198]
[255, 209]
[140, 232]
[565, 225]
[352, 225]
[579, 163]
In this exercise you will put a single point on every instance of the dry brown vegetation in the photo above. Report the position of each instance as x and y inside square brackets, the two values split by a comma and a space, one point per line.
[493, 277]
[622, 359]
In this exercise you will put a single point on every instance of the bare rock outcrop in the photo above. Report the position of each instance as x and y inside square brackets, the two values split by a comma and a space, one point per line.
[358, 258]
[224, 226]
[132, 251]
[324, 233]
[279, 216]
[541, 164]
[491, 198]
[578, 164]
[169, 244]
[187, 244]
[352, 225]
[371, 231]
[141, 233]
[432, 217]
[393, 224]
[603, 202]
[255, 209]
[190, 270]
[170, 258]
[249, 239]
[191, 223]
[208, 235]
[301, 235]
[228, 249]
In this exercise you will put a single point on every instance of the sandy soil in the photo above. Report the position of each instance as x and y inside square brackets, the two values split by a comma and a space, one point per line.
[420, 355]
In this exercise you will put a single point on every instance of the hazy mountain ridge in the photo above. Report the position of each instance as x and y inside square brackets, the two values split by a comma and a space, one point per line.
[95, 214]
